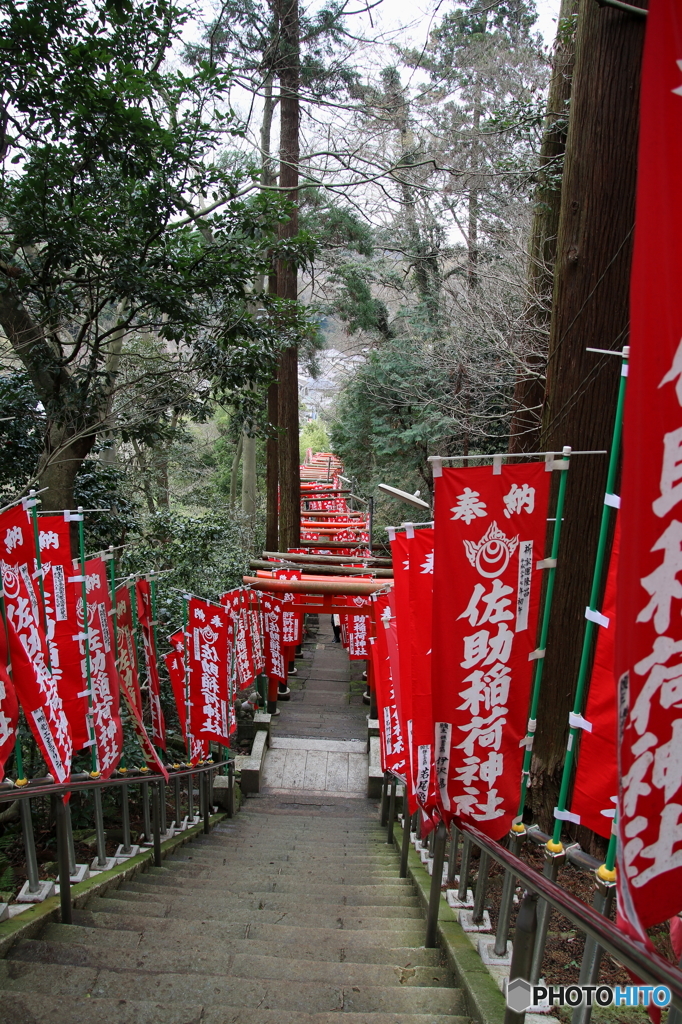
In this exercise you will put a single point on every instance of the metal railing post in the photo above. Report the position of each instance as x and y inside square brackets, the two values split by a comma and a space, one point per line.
[391, 811]
[162, 797]
[507, 899]
[481, 886]
[178, 800]
[207, 806]
[550, 870]
[60, 812]
[407, 826]
[230, 790]
[99, 830]
[384, 799]
[156, 815]
[202, 794]
[145, 812]
[434, 893]
[452, 856]
[190, 799]
[593, 952]
[522, 955]
[69, 838]
[464, 868]
[29, 845]
[125, 819]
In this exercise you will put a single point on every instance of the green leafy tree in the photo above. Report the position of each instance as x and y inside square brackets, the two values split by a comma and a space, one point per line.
[108, 154]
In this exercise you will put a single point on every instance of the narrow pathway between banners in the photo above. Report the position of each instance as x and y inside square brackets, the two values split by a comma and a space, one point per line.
[319, 739]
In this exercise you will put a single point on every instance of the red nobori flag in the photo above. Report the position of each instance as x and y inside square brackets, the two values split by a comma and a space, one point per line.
[28, 647]
[386, 681]
[207, 659]
[595, 789]
[175, 663]
[145, 617]
[256, 631]
[244, 645]
[61, 596]
[649, 624]
[9, 705]
[419, 760]
[127, 649]
[357, 626]
[105, 710]
[419, 545]
[489, 536]
[271, 609]
[128, 678]
[292, 620]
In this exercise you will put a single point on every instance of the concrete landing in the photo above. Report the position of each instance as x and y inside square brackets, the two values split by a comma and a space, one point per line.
[319, 743]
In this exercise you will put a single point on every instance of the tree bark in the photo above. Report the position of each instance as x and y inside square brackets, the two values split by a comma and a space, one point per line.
[235, 469]
[529, 391]
[272, 472]
[287, 280]
[249, 495]
[590, 308]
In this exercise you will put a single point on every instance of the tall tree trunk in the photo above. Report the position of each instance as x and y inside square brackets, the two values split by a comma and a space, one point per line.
[272, 472]
[272, 442]
[235, 469]
[529, 391]
[590, 308]
[249, 495]
[287, 282]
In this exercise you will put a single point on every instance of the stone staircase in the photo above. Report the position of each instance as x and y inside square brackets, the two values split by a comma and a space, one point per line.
[290, 913]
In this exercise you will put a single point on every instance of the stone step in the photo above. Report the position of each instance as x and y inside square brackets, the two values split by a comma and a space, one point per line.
[57, 980]
[209, 960]
[279, 935]
[190, 909]
[161, 885]
[196, 936]
[249, 905]
[28, 1008]
[299, 882]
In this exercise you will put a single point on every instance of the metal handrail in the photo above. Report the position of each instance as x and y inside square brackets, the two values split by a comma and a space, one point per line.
[43, 787]
[632, 954]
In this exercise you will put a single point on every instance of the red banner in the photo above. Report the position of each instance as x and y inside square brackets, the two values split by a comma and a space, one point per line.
[104, 711]
[256, 624]
[358, 628]
[33, 681]
[271, 609]
[489, 536]
[61, 596]
[595, 789]
[145, 616]
[9, 705]
[128, 678]
[292, 619]
[175, 663]
[420, 546]
[127, 649]
[207, 659]
[649, 625]
[393, 747]
[400, 606]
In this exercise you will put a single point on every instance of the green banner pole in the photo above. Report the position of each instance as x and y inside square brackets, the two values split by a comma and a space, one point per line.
[550, 565]
[592, 615]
